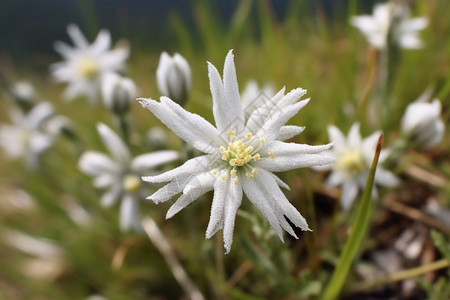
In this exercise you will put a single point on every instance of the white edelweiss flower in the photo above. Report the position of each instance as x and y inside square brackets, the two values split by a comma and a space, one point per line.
[26, 137]
[121, 174]
[354, 157]
[173, 77]
[390, 19]
[118, 92]
[253, 96]
[85, 64]
[422, 122]
[240, 155]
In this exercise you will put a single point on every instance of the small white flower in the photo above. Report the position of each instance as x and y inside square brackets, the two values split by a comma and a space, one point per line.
[241, 155]
[253, 97]
[174, 77]
[85, 64]
[121, 174]
[26, 136]
[390, 19]
[422, 122]
[118, 92]
[354, 157]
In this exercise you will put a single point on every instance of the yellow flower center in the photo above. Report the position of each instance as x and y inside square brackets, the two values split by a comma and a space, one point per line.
[88, 68]
[131, 183]
[351, 161]
[239, 154]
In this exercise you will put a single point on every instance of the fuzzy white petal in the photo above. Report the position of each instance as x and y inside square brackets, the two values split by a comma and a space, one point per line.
[190, 127]
[289, 131]
[95, 163]
[129, 213]
[150, 160]
[114, 144]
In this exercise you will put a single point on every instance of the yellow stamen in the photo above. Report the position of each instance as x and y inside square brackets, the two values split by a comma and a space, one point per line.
[214, 172]
[249, 135]
[230, 132]
[271, 155]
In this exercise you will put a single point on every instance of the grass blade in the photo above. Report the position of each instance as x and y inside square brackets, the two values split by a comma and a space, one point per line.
[358, 231]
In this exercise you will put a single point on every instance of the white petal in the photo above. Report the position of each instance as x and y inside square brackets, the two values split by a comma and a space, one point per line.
[114, 60]
[102, 43]
[192, 166]
[150, 160]
[414, 24]
[39, 113]
[279, 148]
[105, 180]
[232, 105]
[348, 194]
[369, 146]
[336, 136]
[364, 23]
[289, 131]
[258, 198]
[119, 151]
[354, 137]
[280, 182]
[65, 50]
[171, 189]
[77, 36]
[206, 185]
[385, 178]
[111, 197]
[290, 162]
[165, 63]
[277, 197]
[95, 163]
[190, 127]
[216, 218]
[227, 108]
[129, 213]
[185, 69]
[335, 179]
[233, 203]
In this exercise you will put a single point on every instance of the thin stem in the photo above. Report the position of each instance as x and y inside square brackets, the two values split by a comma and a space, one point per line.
[403, 275]
[163, 246]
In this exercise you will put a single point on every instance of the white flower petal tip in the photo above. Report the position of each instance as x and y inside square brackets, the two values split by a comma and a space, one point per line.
[242, 150]
[353, 157]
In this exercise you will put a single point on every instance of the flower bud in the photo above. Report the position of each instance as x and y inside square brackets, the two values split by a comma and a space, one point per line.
[117, 93]
[173, 77]
[24, 94]
[422, 123]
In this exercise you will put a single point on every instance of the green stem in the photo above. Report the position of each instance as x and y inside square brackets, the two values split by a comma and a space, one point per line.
[402, 275]
[357, 233]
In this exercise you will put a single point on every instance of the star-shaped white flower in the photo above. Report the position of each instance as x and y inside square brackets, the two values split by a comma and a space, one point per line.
[240, 155]
[85, 64]
[354, 157]
[27, 137]
[390, 18]
[121, 174]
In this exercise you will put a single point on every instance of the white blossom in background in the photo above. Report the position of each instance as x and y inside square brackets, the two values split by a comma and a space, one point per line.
[47, 258]
[24, 93]
[26, 137]
[173, 77]
[240, 155]
[85, 64]
[120, 174]
[354, 157]
[422, 123]
[390, 19]
[118, 92]
[253, 96]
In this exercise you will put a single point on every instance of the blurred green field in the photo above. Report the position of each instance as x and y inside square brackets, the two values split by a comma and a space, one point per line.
[309, 48]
